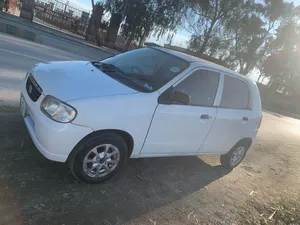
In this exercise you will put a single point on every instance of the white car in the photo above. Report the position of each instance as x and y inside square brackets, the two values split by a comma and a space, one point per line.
[149, 102]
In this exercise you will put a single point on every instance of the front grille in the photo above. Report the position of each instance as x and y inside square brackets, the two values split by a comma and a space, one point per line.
[33, 89]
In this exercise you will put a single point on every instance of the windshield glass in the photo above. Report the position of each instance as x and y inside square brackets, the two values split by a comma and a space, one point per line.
[147, 68]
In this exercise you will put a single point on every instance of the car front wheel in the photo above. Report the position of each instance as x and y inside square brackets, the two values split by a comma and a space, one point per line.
[98, 158]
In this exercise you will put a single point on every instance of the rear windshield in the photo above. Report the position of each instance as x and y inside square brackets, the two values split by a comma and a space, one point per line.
[147, 68]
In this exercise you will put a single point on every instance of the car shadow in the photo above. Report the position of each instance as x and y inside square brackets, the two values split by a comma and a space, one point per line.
[36, 190]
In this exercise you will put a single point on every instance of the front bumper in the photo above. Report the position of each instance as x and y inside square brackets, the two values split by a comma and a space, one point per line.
[54, 140]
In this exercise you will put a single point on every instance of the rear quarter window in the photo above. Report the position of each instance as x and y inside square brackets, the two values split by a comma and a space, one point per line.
[235, 94]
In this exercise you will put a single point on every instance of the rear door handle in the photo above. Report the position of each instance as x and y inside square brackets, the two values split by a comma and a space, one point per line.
[245, 118]
[204, 117]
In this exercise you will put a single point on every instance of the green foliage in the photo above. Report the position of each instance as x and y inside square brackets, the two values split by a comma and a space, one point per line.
[205, 24]
[139, 20]
[115, 6]
[145, 16]
[241, 33]
[142, 17]
[282, 66]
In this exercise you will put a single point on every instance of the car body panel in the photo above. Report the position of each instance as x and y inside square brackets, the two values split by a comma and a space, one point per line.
[76, 80]
[178, 129]
[129, 113]
[54, 140]
[229, 126]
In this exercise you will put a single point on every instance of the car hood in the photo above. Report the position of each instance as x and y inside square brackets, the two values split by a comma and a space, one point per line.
[76, 79]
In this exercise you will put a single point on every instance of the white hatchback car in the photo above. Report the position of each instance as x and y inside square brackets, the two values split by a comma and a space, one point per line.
[149, 102]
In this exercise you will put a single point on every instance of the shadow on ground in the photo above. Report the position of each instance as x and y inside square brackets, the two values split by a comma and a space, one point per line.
[34, 190]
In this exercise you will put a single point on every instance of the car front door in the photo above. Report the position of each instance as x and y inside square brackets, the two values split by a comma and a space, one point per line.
[178, 129]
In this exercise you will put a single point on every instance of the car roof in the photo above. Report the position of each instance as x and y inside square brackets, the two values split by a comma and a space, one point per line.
[193, 59]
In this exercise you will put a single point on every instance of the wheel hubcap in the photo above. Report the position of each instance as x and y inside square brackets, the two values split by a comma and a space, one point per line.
[101, 160]
[237, 155]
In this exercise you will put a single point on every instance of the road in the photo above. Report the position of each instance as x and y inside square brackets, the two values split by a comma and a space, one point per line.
[17, 56]
[178, 190]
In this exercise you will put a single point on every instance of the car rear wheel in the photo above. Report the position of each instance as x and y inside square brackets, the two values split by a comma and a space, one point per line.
[235, 156]
[98, 158]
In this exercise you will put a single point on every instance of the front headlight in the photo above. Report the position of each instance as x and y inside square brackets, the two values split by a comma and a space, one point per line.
[58, 110]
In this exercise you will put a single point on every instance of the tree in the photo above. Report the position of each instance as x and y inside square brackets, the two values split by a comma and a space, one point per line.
[250, 43]
[93, 5]
[204, 22]
[138, 21]
[283, 70]
[282, 66]
[287, 40]
[157, 16]
[251, 30]
[272, 13]
[116, 9]
[237, 32]
[95, 21]
[144, 17]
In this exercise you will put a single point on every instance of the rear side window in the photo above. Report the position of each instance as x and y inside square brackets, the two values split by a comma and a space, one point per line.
[202, 87]
[235, 94]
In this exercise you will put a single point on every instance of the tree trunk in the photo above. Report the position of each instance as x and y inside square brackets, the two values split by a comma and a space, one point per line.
[260, 76]
[206, 39]
[207, 36]
[144, 35]
[26, 9]
[94, 24]
[93, 6]
[241, 71]
[141, 41]
[128, 43]
[247, 69]
[114, 25]
[271, 90]
[98, 11]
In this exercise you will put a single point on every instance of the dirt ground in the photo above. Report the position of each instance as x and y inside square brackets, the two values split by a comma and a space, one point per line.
[264, 189]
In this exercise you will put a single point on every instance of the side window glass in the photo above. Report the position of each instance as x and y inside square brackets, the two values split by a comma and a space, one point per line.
[202, 87]
[235, 94]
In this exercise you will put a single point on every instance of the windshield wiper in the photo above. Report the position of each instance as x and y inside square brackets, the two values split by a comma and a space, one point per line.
[106, 67]
[142, 78]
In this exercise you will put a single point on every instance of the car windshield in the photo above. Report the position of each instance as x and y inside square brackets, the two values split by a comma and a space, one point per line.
[147, 69]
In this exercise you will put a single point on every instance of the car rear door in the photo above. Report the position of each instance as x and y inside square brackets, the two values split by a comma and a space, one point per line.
[234, 119]
[178, 129]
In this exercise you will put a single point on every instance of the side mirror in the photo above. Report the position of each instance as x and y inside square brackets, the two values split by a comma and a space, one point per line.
[180, 97]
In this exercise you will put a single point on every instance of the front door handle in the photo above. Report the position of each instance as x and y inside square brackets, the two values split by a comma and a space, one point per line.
[245, 119]
[204, 117]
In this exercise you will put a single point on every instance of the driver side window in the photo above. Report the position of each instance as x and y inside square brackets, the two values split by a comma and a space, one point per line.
[202, 86]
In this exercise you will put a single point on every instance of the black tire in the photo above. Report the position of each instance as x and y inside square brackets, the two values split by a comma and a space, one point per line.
[226, 159]
[79, 153]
